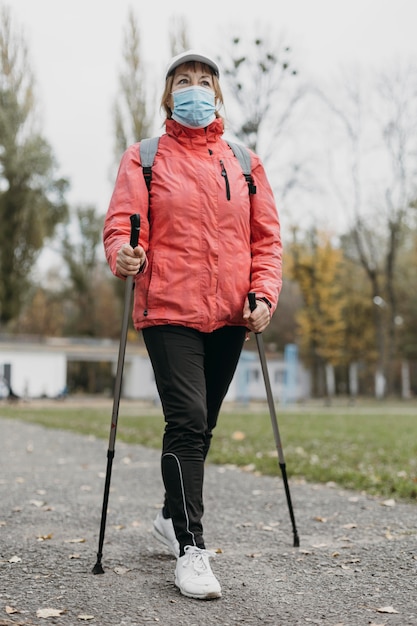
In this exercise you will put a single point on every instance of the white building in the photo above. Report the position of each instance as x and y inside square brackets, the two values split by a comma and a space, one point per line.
[39, 369]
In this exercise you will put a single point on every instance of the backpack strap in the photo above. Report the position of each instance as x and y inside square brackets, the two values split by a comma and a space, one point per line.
[149, 146]
[147, 151]
[243, 156]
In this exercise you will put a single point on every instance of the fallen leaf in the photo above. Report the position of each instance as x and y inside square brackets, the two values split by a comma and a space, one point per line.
[387, 609]
[121, 571]
[15, 559]
[349, 526]
[78, 540]
[118, 526]
[388, 503]
[238, 435]
[85, 617]
[74, 556]
[45, 537]
[320, 519]
[37, 503]
[11, 611]
[45, 613]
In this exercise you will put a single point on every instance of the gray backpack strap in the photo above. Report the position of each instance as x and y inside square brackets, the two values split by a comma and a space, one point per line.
[147, 151]
[243, 156]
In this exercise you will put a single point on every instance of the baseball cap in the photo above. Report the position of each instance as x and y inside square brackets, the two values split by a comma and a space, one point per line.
[191, 55]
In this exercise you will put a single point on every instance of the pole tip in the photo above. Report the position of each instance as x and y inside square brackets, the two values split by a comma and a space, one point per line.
[296, 541]
[98, 568]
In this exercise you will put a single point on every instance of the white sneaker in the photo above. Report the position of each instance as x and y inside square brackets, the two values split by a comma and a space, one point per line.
[193, 575]
[163, 530]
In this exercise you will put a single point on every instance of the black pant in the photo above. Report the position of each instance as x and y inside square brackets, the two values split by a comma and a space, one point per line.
[193, 371]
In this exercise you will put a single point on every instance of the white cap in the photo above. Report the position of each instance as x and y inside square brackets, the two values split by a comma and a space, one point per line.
[191, 55]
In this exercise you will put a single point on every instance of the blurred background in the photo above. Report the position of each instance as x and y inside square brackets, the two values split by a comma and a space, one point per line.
[324, 92]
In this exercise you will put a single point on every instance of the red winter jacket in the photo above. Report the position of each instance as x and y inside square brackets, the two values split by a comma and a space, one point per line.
[205, 250]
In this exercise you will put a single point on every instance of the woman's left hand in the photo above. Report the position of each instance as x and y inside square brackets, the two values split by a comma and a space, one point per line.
[258, 319]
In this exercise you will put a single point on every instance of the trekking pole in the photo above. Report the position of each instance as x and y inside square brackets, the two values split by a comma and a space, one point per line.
[134, 238]
[274, 421]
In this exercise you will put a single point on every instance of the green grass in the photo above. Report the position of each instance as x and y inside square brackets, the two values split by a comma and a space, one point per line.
[371, 448]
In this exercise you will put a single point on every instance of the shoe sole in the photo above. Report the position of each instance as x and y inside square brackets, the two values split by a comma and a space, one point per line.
[212, 595]
[160, 537]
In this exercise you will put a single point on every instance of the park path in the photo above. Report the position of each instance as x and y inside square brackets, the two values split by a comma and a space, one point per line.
[356, 564]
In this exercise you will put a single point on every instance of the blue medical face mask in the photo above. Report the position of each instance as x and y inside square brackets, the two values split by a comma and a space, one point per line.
[194, 107]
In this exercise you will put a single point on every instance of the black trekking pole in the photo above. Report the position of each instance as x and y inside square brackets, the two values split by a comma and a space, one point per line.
[274, 421]
[134, 238]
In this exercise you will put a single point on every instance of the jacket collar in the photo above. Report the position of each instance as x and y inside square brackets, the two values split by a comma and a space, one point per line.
[196, 136]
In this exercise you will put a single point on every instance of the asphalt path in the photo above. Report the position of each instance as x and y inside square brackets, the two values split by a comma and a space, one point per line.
[356, 564]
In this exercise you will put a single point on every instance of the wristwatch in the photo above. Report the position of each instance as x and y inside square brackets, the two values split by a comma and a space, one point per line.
[266, 301]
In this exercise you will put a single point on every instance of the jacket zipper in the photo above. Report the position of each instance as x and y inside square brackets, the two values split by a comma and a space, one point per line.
[226, 180]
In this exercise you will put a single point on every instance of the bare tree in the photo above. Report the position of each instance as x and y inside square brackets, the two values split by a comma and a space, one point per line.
[377, 158]
[178, 35]
[265, 96]
[131, 119]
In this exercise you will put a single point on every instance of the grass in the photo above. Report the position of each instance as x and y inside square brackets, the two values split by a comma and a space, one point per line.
[370, 447]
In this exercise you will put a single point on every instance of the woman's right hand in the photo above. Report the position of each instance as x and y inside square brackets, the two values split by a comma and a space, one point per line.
[130, 260]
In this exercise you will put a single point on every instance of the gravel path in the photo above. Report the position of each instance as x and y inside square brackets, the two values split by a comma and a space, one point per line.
[356, 564]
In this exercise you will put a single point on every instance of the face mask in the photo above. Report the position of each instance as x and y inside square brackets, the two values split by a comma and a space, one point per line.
[194, 107]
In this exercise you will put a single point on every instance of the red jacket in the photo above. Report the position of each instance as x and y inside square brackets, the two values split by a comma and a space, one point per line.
[205, 252]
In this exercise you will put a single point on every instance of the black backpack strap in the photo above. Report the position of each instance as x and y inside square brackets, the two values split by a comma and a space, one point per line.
[147, 151]
[243, 156]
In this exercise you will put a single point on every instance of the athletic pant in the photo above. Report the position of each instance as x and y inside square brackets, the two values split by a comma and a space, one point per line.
[193, 371]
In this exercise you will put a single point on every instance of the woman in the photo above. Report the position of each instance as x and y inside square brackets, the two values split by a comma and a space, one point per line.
[204, 245]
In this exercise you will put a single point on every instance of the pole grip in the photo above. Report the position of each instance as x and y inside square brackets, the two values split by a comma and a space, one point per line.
[252, 301]
[134, 229]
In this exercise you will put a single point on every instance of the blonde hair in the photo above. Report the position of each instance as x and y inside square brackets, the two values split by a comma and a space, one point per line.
[194, 66]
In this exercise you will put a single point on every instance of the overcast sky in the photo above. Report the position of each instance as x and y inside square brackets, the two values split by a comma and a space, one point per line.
[75, 50]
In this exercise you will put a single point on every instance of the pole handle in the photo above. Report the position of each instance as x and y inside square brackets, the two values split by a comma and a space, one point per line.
[252, 301]
[134, 229]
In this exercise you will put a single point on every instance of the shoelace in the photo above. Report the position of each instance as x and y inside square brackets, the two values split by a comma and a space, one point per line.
[199, 558]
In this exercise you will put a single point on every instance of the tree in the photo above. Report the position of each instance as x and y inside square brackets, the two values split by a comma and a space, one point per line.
[272, 74]
[31, 198]
[265, 99]
[178, 36]
[80, 241]
[316, 266]
[131, 119]
[377, 156]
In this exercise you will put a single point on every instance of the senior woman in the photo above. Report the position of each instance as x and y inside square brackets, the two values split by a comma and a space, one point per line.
[205, 243]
